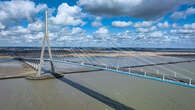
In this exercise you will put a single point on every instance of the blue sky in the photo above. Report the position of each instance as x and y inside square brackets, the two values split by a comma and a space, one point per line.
[100, 23]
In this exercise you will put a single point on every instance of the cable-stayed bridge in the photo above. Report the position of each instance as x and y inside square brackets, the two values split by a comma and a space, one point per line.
[93, 59]
[127, 70]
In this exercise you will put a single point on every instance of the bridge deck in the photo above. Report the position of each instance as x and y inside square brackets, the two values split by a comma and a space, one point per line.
[165, 63]
[125, 70]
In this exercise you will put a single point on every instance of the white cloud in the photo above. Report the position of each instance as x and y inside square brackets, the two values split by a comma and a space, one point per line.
[97, 22]
[32, 33]
[183, 31]
[33, 37]
[153, 28]
[189, 26]
[36, 26]
[175, 25]
[67, 35]
[77, 30]
[143, 24]
[3, 34]
[133, 8]
[68, 15]
[142, 30]
[186, 31]
[2, 26]
[163, 25]
[146, 30]
[14, 34]
[156, 34]
[102, 33]
[18, 30]
[102, 30]
[183, 14]
[65, 38]
[121, 24]
[16, 10]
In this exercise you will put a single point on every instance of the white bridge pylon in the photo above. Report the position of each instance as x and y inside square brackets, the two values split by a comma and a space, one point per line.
[45, 39]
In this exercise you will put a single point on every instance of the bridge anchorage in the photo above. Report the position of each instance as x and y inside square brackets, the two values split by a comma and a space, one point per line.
[41, 74]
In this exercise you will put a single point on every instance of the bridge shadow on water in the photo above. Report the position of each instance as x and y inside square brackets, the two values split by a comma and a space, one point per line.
[100, 97]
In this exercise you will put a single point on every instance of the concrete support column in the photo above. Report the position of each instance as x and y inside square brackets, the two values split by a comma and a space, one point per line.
[43, 49]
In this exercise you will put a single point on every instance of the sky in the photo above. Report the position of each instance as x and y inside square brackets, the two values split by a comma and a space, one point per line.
[99, 23]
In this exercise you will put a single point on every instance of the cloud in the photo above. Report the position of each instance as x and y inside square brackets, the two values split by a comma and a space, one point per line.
[163, 25]
[142, 30]
[77, 30]
[189, 26]
[146, 9]
[17, 10]
[153, 28]
[146, 30]
[68, 15]
[36, 26]
[65, 38]
[144, 33]
[33, 34]
[156, 34]
[76, 36]
[14, 34]
[33, 37]
[174, 25]
[73, 36]
[2, 26]
[121, 24]
[102, 30]
[185, 31]
[97, 22]
[102, 33]
[143, 24]
[19, 34]
[183, 14]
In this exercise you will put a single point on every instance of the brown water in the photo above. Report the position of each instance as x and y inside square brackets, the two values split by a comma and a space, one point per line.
[98, 90]
[104, 90]
[10, 66]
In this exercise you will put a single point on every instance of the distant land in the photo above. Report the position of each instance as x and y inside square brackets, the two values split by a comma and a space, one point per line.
[105, 48]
